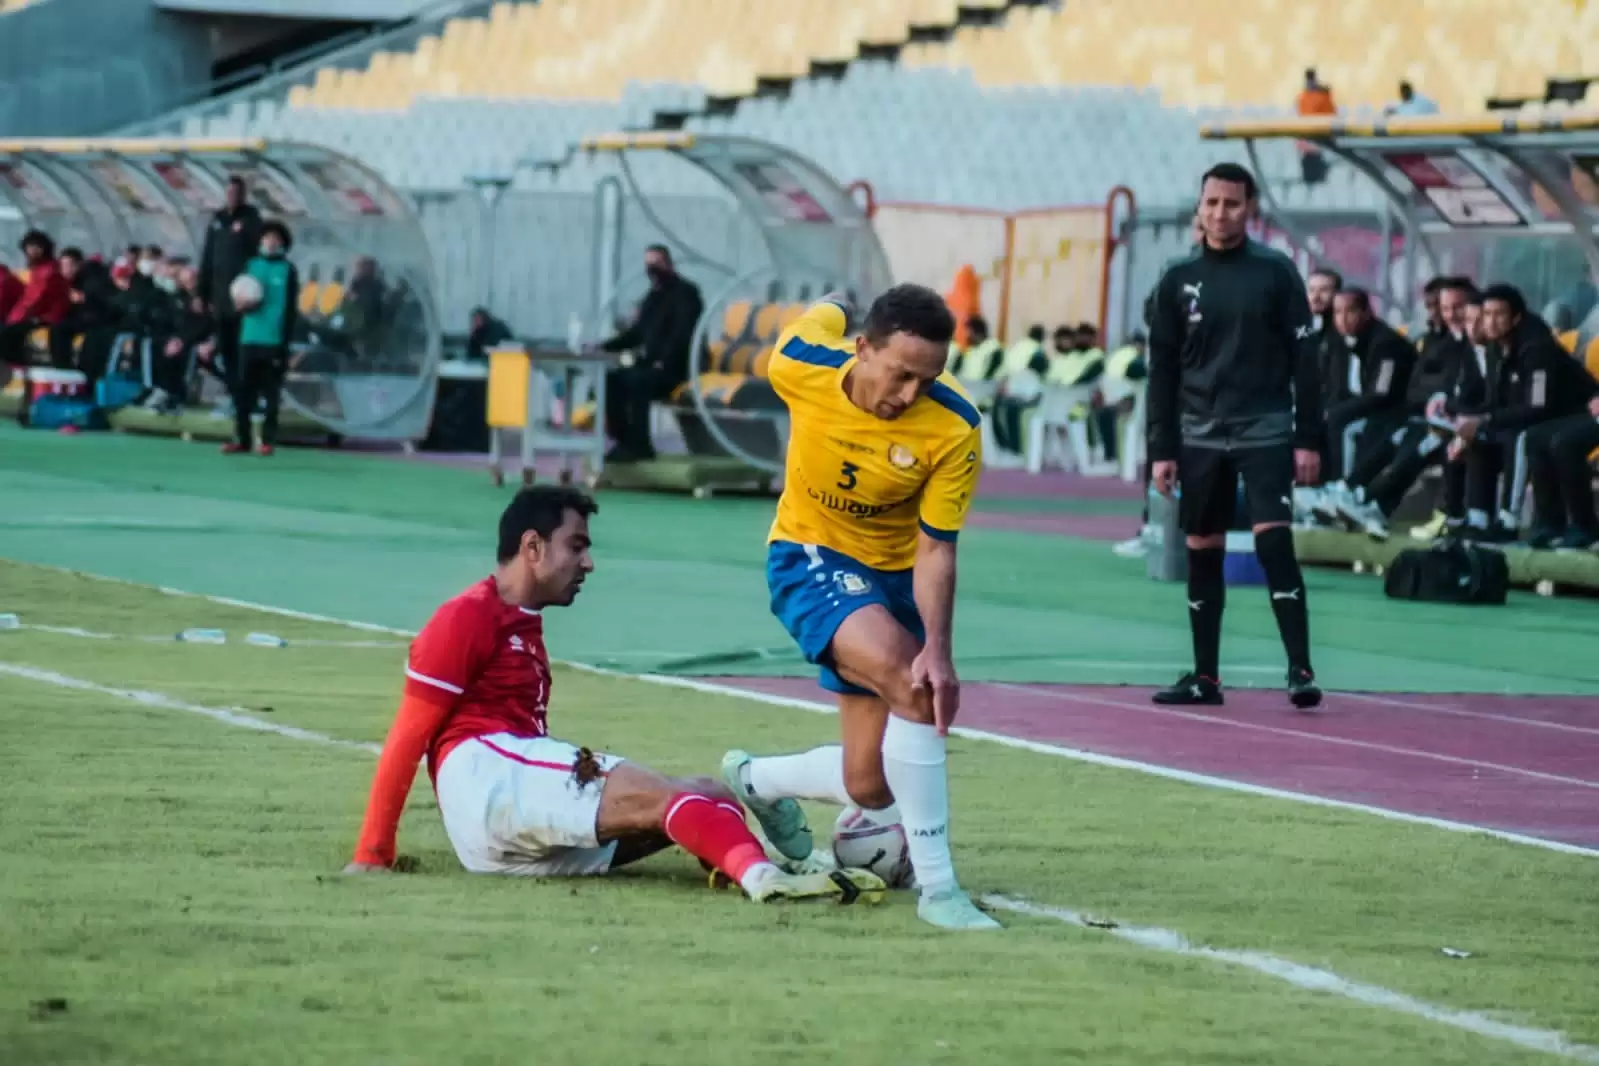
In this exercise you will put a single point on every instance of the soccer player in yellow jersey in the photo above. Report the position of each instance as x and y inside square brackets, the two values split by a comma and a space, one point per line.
[884, 453]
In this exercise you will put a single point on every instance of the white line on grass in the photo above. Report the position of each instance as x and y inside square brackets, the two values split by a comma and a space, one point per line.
[1115, 762]
[1297, 974]
[1314, 979]
[88, 634]
[162, 701]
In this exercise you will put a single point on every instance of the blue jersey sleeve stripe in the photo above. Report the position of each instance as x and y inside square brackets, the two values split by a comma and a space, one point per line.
[947, 397]
[815, 354]
[939, 534]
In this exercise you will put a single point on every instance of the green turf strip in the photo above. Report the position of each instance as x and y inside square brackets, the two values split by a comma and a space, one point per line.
[171, 879]
[682, 579]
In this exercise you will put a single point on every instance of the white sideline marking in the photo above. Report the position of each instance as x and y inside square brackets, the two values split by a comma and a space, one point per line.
[78, 631]
[1092, 757]
[164, 702]
[1294, 973]
[1314, 979]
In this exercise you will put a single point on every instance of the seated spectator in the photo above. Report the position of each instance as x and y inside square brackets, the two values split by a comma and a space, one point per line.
[11, 288]
[487, 332]
[661, 337]
[177, 346]
[44, 300]
[1411, 102]
[1538, 382]
[1022, 373]
[981, 360]
[1381, 478]
[1369, 380]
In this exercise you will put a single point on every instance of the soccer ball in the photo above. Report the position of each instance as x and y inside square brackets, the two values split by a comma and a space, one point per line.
[246, 293]
[862, 843]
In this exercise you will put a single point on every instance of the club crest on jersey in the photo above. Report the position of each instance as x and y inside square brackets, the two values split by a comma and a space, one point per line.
[851, 583]
[1191, 291]
[901, 457]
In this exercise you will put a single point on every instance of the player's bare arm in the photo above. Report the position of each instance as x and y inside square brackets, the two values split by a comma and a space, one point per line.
[933, 669]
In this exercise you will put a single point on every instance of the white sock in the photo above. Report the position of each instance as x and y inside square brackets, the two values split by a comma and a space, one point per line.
[913, 763]
[756, 876]
[817, 774]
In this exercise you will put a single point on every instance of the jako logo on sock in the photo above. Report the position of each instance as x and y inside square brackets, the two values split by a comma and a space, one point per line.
[936, 831]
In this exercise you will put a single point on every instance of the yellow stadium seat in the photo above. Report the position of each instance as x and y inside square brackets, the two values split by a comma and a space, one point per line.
[1590, 357]
[768, 322]
[1236, 52]
[1568, 340]
[329, 298]
[307, 301]
[591, 49]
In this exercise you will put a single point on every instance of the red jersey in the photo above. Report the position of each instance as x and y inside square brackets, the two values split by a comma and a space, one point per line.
[482, 661]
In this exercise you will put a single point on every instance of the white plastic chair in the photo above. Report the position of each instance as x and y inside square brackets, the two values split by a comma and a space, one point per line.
[1051, 422]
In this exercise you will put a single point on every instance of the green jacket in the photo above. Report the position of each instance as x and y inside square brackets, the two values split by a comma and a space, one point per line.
[271, 325]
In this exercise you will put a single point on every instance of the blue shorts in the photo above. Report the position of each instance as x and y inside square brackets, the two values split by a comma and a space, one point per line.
[814, 589]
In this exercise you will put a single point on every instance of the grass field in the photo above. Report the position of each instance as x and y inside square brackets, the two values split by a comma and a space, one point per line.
[172, 880]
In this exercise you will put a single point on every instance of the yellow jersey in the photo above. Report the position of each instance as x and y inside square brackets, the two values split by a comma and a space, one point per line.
[859, 484]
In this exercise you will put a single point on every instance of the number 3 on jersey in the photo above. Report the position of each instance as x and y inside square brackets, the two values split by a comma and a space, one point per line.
[846, 476]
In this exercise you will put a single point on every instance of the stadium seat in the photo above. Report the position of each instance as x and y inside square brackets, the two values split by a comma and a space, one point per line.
[591, 49]
[1210, 53]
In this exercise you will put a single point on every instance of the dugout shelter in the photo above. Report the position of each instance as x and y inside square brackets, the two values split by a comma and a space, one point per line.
[1511, 197]
[810, 238]
[364, 360]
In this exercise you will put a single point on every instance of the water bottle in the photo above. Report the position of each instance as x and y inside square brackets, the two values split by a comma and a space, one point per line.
[574, 333]
[1168, 552]
[203, 636]
[265, 640]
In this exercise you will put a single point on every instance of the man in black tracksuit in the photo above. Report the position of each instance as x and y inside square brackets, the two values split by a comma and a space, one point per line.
[1547, 398]
[1368, 375]
[1321, 287]
[231, 240]
[1383, 475]
[1234, 392]
[661, 336]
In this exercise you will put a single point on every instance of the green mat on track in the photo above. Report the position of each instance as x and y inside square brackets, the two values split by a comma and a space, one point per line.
[680, 584]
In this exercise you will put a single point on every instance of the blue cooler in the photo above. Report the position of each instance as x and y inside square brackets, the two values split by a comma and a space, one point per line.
[1242, 565]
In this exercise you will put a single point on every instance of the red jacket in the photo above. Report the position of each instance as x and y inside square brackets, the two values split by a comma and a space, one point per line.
[46, 297]
[10, 292]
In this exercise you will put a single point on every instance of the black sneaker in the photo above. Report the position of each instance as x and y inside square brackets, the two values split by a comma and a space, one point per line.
[1191, 690]
[1303, 692]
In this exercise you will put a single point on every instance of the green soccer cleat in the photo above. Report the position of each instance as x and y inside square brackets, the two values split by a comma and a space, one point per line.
[783, 821]
[953, 909]
[841, 886]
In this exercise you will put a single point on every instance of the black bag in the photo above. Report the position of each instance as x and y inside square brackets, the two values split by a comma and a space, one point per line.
[1448, 572]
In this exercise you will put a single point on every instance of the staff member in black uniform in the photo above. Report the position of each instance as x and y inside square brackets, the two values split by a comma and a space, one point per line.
[1234, 392]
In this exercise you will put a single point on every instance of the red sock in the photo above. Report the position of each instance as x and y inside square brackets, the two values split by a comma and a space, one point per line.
[714, 831]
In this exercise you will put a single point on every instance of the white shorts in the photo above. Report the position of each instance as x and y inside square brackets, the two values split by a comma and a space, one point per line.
[511, 805]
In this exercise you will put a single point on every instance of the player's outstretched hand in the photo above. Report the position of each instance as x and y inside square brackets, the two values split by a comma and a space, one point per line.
[1163, 474]
[934, 672]
[1307, 465]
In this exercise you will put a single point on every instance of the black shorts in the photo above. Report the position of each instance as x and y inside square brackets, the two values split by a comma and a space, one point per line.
[1208, 479]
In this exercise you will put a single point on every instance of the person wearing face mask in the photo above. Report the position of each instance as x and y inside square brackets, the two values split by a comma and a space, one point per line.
[264, 334]
[230, 240]
[660, 337]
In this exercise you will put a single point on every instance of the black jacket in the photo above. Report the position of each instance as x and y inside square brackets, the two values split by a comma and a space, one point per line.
[232, 238]
[1438, 357]
[1540, 380]
[1386, 362]
[1228, 362]
[1477, 381]
[664, 328]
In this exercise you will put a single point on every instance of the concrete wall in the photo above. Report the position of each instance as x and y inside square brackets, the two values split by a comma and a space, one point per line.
[76, 67]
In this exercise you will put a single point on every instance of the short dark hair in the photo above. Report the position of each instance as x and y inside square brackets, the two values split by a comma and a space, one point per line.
[274, 226]
[1463, 284]
[977, 324]
[540, 509]
[1233, 174]
[154, 250]
[1473, 296]
[238, 180]
[1361, 298]
[661, 250]
[1436, 284]
[1328, 272]
[1506, 294]
[39, 238]
[71, 252]
[907, 308]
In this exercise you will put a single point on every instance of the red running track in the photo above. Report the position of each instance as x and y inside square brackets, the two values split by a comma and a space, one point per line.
[1521, 764]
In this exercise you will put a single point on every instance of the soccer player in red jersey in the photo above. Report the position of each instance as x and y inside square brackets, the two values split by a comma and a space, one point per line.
[516, 800]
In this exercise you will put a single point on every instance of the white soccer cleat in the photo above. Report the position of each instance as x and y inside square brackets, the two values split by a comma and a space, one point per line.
[839, 886]
[953, 909]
